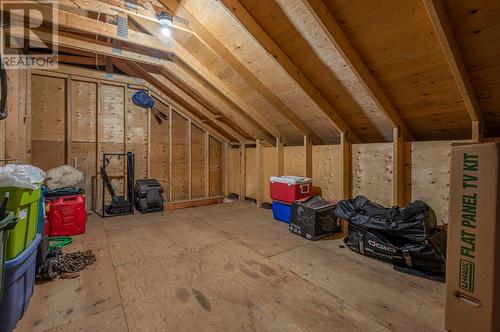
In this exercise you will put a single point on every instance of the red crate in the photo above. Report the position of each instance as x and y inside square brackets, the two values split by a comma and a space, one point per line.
[67, 216]
[287, 189]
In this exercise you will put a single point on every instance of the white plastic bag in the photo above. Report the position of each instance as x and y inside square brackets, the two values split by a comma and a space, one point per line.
[21, 176]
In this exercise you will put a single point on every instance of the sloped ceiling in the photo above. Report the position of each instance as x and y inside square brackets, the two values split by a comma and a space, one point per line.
[268, 68]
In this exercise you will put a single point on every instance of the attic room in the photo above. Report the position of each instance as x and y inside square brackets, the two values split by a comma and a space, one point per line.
[249, 165]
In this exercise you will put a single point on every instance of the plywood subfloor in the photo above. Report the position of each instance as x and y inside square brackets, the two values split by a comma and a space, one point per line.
[227, 267]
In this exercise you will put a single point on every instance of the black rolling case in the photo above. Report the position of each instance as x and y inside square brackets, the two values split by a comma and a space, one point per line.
[148, 196]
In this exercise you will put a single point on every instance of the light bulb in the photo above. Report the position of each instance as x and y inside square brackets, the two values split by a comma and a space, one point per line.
[165, 32]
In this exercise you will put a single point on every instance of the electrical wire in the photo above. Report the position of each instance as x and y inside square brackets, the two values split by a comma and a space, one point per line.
[97, 37]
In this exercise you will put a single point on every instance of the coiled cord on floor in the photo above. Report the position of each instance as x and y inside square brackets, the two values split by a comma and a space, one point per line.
[64, 265]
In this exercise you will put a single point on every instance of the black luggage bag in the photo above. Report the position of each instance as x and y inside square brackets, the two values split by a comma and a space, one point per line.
[427, 256]
[414, 222]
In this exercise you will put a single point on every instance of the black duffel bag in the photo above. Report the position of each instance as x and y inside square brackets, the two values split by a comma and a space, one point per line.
[414, 222]
[427, 257]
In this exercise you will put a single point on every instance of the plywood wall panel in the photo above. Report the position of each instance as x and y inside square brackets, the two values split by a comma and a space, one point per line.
[112, 114]
[295, 161]
[250, 173]
[84, 108]
[140, 152]
[198, 164]
[83, 155]
[233, 170]
[270, 168]
[180, 158]
[431, 175]
[48, 108]
[160, 151]
[137, 121]
[48, 121]
[327, 170]
[137, 134]
[215, 163]
[372, 171]
[47, 154]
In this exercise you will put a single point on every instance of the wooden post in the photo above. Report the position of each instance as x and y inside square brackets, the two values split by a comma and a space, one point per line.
[225, 169]
[242, 171]
[149, 141]
[68, 120]
[280, 156]
[190, 160]
[477, 136]
[125, 138]
[28, 118]
[207, 164]
[260, 172]
[98, 188]
[346, 165]
[170, 153]
[308, 155]
[398, 167]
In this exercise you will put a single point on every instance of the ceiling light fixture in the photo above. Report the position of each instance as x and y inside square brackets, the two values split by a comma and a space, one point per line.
[165, 19]
[165, 31]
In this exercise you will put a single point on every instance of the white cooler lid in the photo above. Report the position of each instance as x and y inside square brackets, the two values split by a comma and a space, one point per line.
[290, 179]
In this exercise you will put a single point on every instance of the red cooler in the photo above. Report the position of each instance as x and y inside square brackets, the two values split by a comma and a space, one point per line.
[67, 216]
[287, 189]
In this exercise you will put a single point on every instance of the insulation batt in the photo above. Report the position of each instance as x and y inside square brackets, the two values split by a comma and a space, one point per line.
[63, 177]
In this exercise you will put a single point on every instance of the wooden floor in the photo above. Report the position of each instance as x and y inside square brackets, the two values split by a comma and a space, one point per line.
[227, 267]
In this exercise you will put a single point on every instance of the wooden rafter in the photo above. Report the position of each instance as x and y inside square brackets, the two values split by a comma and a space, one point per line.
[88, 45]
[453, 56]
[81, 60]
[204, 35]
[337, 37]
[88, 25]
[204, 76]
[224, 120]
[97, 47]
[137, 71]
[68, 20]
[257, 32]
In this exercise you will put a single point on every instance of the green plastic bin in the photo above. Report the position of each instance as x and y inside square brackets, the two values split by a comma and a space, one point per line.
[7, 223]
[24, 204]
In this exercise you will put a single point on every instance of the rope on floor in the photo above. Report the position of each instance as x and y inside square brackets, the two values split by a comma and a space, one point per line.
[65, 265]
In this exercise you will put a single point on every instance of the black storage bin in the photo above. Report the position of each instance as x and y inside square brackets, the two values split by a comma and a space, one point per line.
[148, 196]
[314, 218]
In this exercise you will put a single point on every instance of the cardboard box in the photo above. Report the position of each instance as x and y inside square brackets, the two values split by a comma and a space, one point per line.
[473, 266]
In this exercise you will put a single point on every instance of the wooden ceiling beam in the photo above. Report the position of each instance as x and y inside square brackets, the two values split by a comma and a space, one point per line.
[444, 33]
[135, 70]
[88, 25]
[204, 35]
[337, 37]
[227, 120]
[87, 45]
[208, 79]
[81, 60]
[248, 23]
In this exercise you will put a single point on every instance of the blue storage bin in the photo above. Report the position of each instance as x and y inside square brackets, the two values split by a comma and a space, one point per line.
[282, 211]
[19, 281]
[41, 211]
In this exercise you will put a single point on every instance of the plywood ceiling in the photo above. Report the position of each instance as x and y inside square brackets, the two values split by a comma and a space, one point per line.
[476, 25]
[261, 69]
